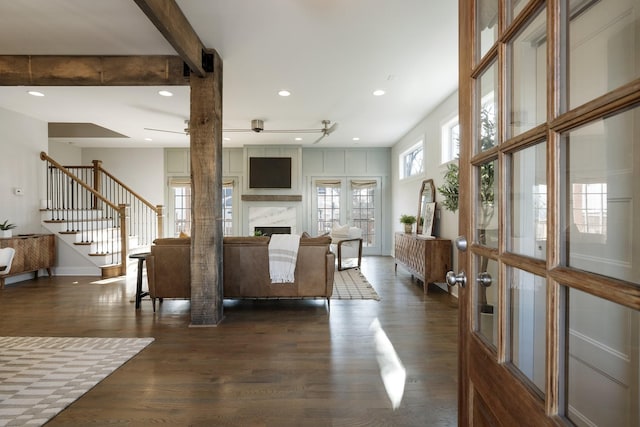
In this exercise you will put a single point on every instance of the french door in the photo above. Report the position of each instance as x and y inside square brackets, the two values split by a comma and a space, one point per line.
[349, 200]
[550, 213]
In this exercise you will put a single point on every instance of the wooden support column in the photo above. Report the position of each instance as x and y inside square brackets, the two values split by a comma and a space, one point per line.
[206, 196]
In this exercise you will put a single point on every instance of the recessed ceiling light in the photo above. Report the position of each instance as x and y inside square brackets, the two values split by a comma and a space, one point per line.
[227, 139]
[35, 93]
[148, 139]
[356, 138]
[298, 139]
[284, 93]
[164, 93]
[378, 92]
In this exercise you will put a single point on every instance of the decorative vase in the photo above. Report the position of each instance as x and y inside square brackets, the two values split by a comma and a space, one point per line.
[5, 234]
[408, 228]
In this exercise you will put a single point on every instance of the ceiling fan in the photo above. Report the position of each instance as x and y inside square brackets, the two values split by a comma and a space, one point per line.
[257, 126]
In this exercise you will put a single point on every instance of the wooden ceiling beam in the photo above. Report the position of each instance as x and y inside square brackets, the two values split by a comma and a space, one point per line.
[174, 26]
[91, 70]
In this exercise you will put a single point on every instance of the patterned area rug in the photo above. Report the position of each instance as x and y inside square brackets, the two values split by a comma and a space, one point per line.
[40, 376]
[351, 284]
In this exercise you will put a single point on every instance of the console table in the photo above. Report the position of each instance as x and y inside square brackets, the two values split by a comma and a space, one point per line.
[33, 252]
[428, 259]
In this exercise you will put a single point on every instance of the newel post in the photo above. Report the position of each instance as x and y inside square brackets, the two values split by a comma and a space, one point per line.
[97, 181]
[160, 216]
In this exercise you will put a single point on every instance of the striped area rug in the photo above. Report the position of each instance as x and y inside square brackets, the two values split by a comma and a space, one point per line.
[351, 284]
[40, 376]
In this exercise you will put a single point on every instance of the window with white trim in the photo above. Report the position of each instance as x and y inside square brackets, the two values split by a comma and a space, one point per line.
[450, 140]
[227, 207]
[180, 189]
[411, 161]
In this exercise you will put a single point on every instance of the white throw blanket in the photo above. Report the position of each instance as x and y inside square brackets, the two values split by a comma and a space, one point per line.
[283, 254]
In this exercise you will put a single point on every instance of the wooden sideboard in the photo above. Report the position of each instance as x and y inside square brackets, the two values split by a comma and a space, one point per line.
[427, 259]
[33, 252]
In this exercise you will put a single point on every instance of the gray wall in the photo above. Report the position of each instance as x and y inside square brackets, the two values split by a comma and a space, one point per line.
[309, 163]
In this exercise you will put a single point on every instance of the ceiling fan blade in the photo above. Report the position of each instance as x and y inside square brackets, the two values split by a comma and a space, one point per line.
[291, 131]
[238, 130]
[319, 139]
[164, 130]
[276, 130]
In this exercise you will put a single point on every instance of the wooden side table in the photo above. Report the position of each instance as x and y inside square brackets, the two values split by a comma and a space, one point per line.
[33, 253]
[428, 259]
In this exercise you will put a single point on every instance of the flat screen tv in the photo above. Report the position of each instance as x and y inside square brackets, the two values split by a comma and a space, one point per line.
[269, 172]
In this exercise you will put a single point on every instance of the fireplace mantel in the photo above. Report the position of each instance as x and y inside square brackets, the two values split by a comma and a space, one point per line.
[271, 198]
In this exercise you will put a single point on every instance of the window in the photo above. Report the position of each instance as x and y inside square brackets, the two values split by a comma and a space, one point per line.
[411, 163]
[590, 207]
[540, 211]
[181, 197]
[227, 207]
[180, 192]
[450, 140]
[328, 202]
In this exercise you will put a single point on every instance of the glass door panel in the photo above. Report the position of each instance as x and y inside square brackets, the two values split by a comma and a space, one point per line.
[487, 113]
[487, 309]
[515, 7]
[363, 209]
[528, 72]
[528, 203]
[527, 325]
[487, 204]
[610, 31]
[364, 194]
[601, 190]
[603, 362]
[487, 28]
[327, 204]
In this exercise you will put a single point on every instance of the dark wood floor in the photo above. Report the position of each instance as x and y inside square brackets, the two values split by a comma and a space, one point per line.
[280, 363]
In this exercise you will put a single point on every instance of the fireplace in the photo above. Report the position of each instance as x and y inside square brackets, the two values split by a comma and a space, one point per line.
[268, 231]
[275, 219]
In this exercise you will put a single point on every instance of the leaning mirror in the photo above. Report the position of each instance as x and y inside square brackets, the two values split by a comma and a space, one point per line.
[426, 207]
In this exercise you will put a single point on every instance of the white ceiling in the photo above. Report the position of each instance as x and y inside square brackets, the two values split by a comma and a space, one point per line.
[331, 55]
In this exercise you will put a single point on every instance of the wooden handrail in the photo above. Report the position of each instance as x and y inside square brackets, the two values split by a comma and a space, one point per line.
[98, 165]
[44, 156]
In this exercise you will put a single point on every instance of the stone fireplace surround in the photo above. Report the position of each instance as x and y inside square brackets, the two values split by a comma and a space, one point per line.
[270, 214]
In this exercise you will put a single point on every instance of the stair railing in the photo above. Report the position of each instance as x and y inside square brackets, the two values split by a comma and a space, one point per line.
[145, 219]
[103, 210]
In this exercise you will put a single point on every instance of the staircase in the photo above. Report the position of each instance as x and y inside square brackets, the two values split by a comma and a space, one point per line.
[98, 216]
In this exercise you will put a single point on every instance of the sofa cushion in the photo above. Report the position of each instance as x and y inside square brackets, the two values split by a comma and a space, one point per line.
[246, 240]
[340, 230]
[315, 241]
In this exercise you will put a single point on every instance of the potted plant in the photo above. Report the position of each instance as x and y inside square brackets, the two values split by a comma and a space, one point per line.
[408, 221]
[5, 228]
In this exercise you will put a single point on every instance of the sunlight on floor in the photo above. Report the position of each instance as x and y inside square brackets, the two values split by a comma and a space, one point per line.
[107, 281]
[392, 371]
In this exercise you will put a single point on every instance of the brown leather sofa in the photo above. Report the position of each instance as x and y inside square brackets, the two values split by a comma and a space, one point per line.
[245, 269]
